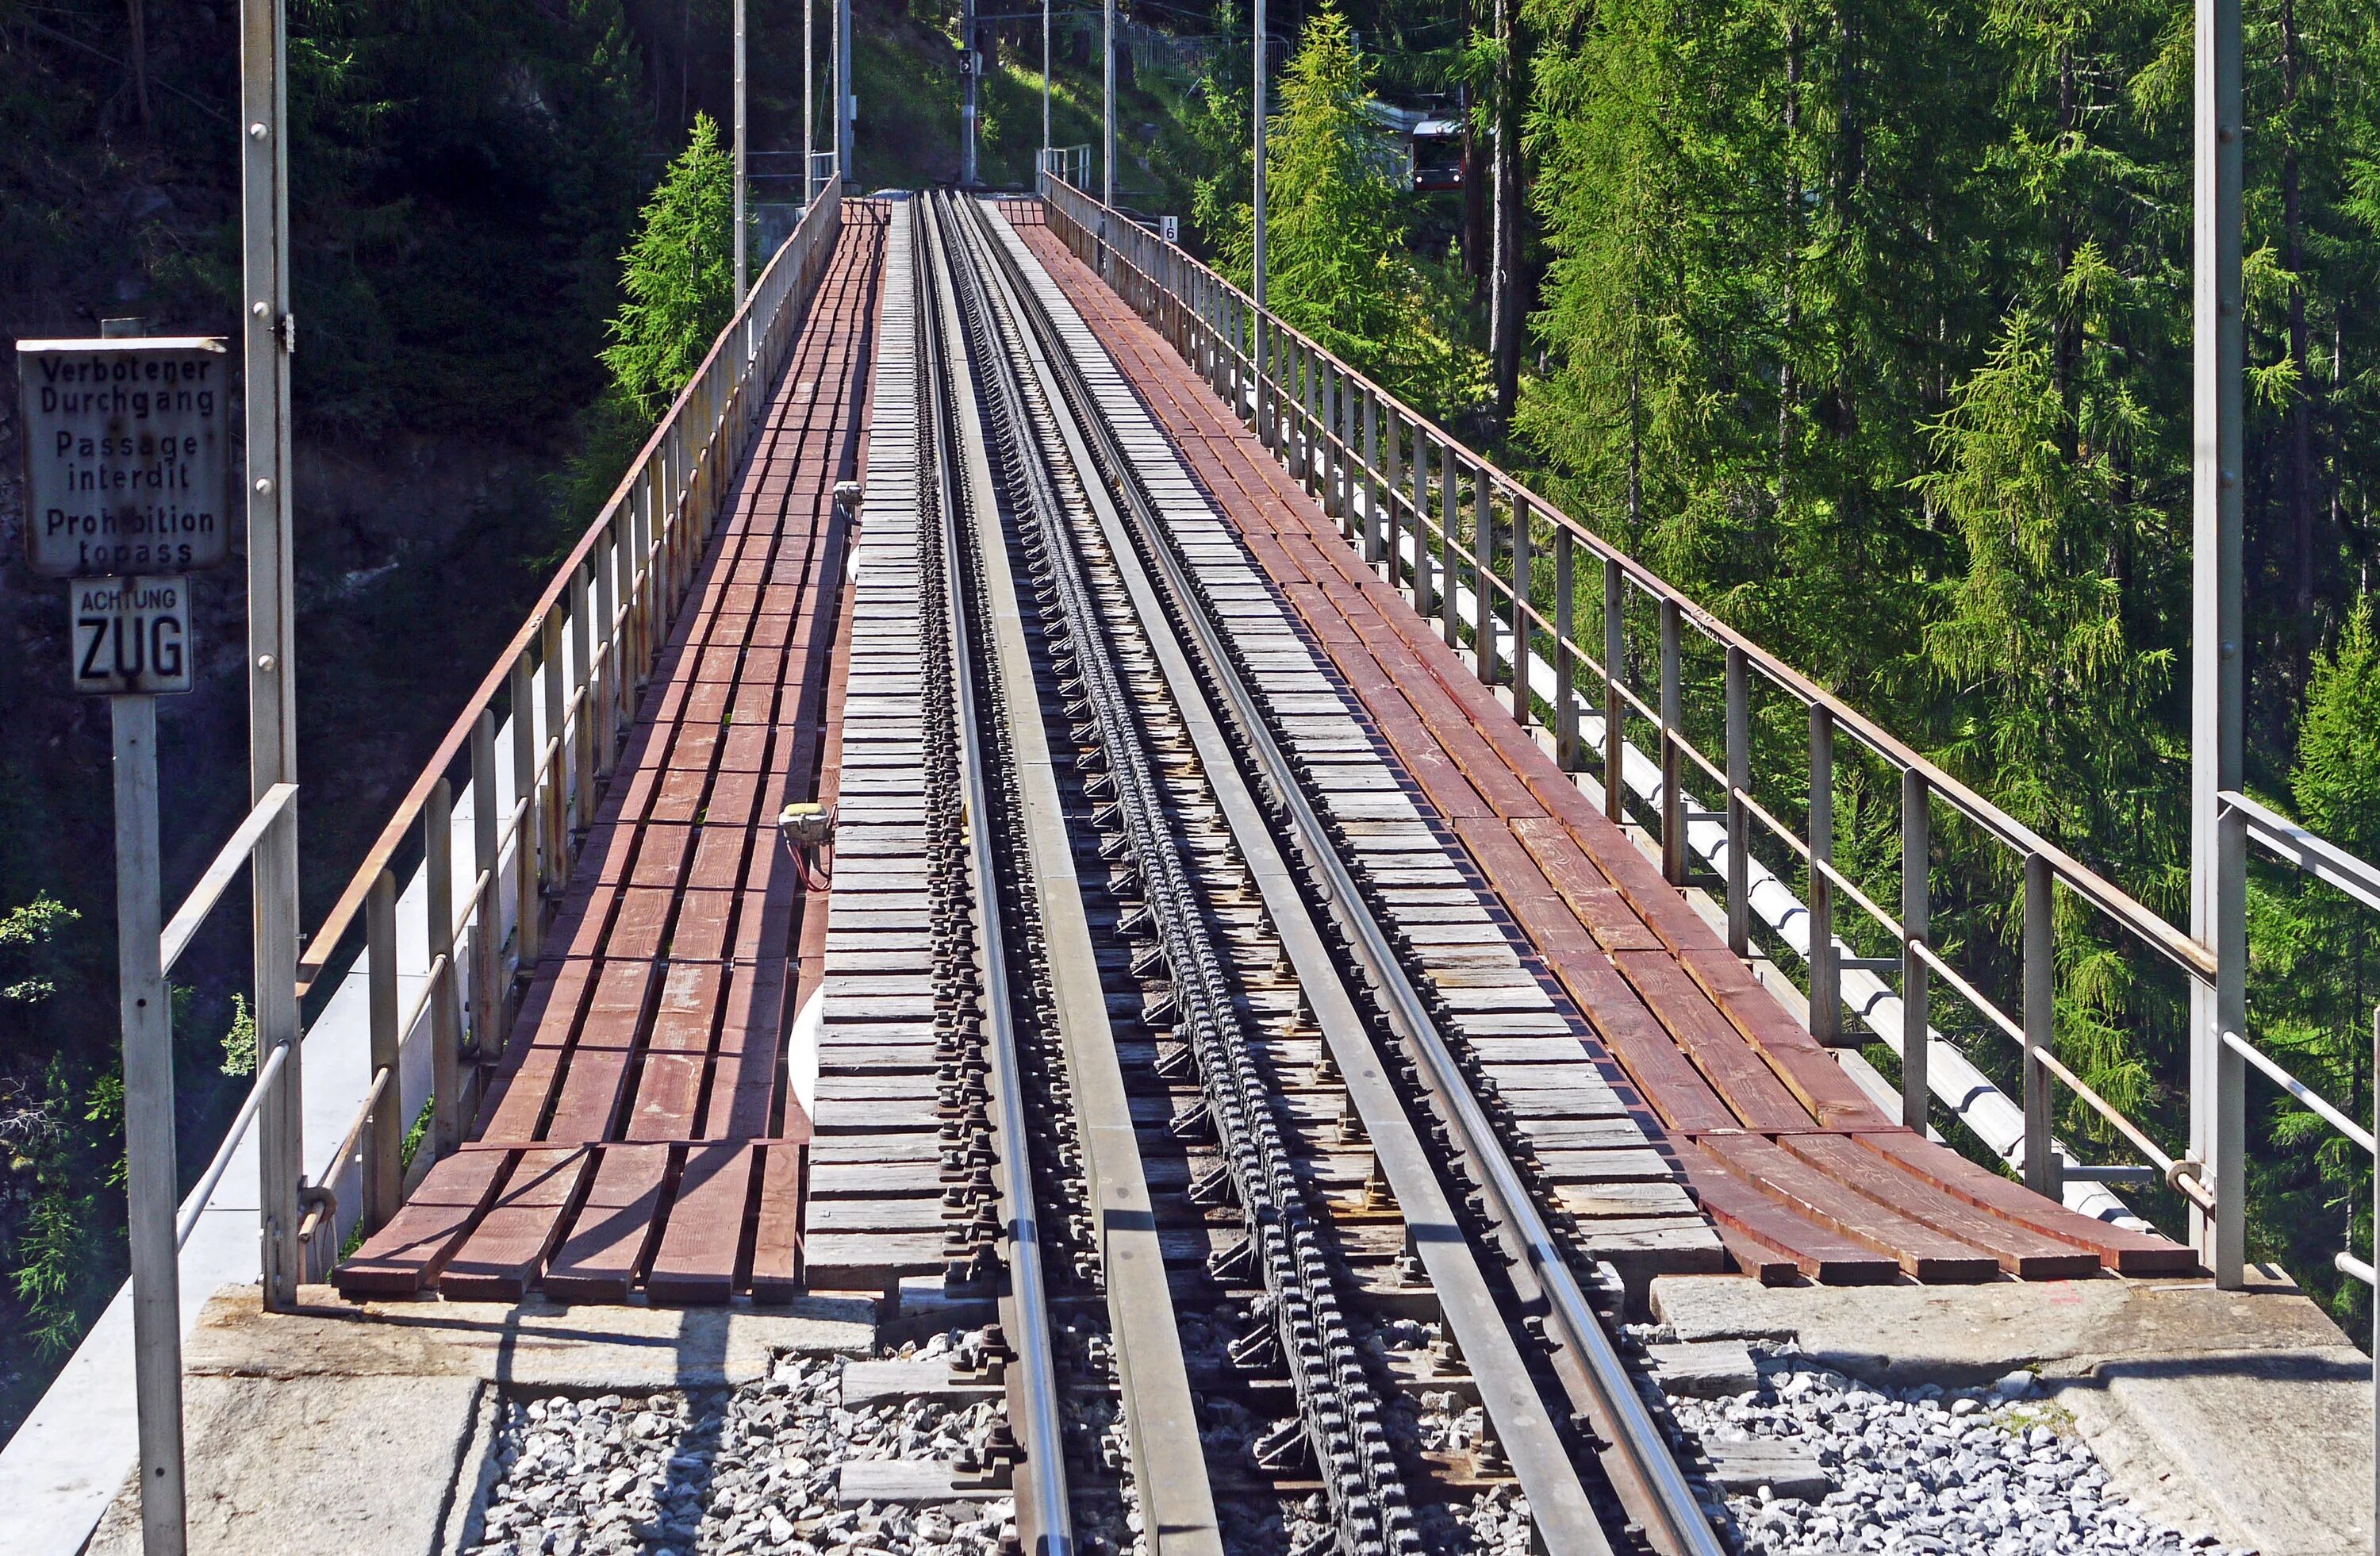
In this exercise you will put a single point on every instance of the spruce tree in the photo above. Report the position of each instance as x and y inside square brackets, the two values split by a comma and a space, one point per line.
[679, 274]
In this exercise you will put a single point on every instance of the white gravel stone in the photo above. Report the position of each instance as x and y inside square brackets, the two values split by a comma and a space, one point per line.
[747, 1472]
[1922, 1471]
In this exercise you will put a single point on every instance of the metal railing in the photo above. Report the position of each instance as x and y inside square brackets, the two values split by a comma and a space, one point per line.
[569, 680]
[1499, 569]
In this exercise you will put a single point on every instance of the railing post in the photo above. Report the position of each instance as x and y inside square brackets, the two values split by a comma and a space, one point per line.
[1325, 397]
[488, 925]
[1739, 815]
[1615, 666]
[2042, 1174]
[1424, 595]
[1565, 657]
[555, 856]
[1525, 591]
[607, 648]
[528, 841]
[281, 1119]
[1371, 413]
[445, 1035]
[1826, 967]
[1484, 654]
[1916, 850]
[1449, 511]
[2222, 1141]
[382, 1169]
[1392, 492]
[1673, 806]
[581, 788]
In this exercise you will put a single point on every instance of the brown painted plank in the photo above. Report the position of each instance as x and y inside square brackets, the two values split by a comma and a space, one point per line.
[2125, 1251]
[406, 1254]
[1744, 1214]
[1799, 1060]
[2021, 1251]
[504, 1253]
[695, 1263]
[1738, 1074]
[599, 1260]
[1929, 1256]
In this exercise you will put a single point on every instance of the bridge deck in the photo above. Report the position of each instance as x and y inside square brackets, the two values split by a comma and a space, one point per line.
[637, 1134]
[1792, 1161]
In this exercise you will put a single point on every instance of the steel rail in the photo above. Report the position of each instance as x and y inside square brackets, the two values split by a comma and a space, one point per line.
[1043, 1513]
[1637, 1454]
[1170, 1471]
[1559, 1507]
[1362, 1482]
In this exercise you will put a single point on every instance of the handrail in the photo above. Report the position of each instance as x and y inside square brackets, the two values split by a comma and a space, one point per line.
[778, 285]
[2324, 860]
[196, 1206]
[228, 859]
[2079, 878]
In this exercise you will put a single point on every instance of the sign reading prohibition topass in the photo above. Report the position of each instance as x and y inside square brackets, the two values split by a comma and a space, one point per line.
[130, 635]
[127, 468]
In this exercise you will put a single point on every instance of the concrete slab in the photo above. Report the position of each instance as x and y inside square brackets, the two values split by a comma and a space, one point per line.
[344, 1426]
[2244, 1414]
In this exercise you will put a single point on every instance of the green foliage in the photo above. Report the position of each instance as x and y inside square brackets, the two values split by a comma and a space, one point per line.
[1335, 260]
[679, 275]
[26, 932]
[239, 1039]
[53, 1254]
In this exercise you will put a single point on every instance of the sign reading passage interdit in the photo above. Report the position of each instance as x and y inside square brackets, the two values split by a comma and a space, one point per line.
[130, 635]
[126, 464]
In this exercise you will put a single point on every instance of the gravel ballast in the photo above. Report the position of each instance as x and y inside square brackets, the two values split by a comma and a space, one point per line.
[751, 1470]
[1992, 1472]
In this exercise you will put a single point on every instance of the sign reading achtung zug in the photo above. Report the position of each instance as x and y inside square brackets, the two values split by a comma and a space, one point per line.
[126, 455]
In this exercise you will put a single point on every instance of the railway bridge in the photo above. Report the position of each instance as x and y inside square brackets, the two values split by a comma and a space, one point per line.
[1070, 929]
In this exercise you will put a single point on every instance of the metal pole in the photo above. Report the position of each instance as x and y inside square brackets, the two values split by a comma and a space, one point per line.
[743, 265]
[148, 1128]
[847, 104]
[1108, 186]
[809, 109]
[268, 336]
[968, 71]
[1045, 83]
[2041, 1166]
[1826, 972]
[2218, 895]
[1257, 114]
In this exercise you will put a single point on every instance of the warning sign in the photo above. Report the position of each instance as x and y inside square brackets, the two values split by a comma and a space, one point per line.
[127, 468]
[130, 635]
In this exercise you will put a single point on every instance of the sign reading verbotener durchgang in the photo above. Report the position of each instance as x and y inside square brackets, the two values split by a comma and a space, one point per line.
[126, 455]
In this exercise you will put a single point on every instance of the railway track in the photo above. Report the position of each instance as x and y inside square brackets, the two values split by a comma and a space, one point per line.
[1271, 1275]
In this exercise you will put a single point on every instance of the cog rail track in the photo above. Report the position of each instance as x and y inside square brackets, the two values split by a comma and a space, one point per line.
[1156, 884]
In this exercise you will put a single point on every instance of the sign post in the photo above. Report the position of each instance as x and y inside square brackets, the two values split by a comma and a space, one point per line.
[127, 489]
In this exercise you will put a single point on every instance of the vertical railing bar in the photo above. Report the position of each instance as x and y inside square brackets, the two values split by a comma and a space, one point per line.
[1916, 849]
[382, 1169]
[528, 847]
[1674, 805]
[1565, 657]
[487, 931]
[1485, 655]
[1739, 817]
[438, 872]
[1524, 596]
[1825, 969]
[1450, 502]
[1615, 667]
[2041, 1167]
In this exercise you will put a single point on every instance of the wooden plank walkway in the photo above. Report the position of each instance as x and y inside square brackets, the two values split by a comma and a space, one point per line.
[639, 1133]
[1795, 1166]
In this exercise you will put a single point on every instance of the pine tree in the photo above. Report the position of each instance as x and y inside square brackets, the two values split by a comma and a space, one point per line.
[679, 274]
